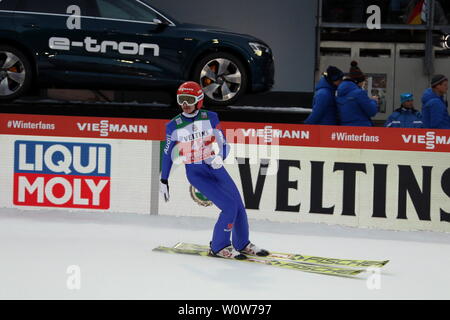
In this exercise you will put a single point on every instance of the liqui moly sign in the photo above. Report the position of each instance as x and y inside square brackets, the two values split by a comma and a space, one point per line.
[56, 174]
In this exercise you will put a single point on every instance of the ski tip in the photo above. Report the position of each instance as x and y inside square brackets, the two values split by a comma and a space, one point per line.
[177, 244]
[165, 249]
[380, 264]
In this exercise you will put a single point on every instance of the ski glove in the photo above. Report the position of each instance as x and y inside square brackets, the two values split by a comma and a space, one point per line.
[217, 163]
[164, 189]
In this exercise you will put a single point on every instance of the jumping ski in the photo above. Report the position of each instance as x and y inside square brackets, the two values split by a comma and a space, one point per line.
[287, 264]
[303, 258]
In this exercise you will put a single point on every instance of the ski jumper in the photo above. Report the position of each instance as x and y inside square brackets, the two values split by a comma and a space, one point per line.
[192, 139]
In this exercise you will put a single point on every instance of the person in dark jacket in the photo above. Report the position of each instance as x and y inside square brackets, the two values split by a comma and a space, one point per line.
[406, 116]
[324, 111]
[435, 108]
[355, 108]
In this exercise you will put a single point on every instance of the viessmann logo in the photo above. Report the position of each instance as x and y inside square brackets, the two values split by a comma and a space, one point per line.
[56, 174]
[105, 127]
[91, 45]
[430, 139]
[269, 134]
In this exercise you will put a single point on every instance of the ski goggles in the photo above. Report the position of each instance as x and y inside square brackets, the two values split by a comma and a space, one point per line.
[190, 100]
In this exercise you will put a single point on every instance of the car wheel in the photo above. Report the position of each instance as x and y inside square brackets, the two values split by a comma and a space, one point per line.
[15, 73]
[223, 78]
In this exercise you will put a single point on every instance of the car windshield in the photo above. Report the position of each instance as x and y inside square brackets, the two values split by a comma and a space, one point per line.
[167, 16]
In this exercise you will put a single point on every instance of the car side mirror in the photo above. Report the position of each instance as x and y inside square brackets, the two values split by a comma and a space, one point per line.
[161, 24]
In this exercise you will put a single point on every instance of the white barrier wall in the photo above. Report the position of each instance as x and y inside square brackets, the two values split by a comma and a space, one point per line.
[364, 177]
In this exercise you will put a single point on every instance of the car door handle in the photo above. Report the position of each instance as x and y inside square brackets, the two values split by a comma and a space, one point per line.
[31, 25]
[110, 32]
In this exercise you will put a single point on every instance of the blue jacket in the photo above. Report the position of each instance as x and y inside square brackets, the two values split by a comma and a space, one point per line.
[324, 109]
[405, 118]
[354, 106]
[434, 111]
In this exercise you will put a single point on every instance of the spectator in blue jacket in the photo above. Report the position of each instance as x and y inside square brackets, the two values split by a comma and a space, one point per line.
[435, 108]
[324, 111]
[355, 108]
[405, 116]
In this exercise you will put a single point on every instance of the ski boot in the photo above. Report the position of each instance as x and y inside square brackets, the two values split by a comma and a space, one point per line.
[253, 250]
[228, 253]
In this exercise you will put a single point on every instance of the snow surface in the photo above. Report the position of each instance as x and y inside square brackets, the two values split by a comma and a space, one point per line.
[115, 258]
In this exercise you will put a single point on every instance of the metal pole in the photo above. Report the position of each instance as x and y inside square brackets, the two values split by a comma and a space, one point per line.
[429, 53]
[318, 36]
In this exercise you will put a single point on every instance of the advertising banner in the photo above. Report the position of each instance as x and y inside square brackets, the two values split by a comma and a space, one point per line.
[82, 127]
[373, 138]
[76, 174]
[362, 188]
[61, 174]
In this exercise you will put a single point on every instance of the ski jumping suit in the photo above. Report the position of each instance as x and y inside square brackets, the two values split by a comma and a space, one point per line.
[192, 139]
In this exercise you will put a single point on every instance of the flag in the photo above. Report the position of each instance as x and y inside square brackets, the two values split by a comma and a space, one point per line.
[415, 16]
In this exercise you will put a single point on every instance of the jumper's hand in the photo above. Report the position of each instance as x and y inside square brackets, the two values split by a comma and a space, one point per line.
[164, 189]
[217, 163]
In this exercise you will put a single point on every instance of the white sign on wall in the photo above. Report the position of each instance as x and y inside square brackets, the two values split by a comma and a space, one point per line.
[75, 173]
[402, 190]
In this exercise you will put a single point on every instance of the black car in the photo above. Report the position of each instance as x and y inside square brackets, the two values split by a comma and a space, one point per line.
[123, 44]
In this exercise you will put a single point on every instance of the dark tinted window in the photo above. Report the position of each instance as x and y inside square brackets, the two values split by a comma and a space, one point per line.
[442, 12]
[405, 12]
[125, 10]
[7, 4]
[49, 6]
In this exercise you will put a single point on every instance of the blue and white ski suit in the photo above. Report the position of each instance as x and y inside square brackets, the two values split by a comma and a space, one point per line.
[192, 140]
